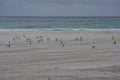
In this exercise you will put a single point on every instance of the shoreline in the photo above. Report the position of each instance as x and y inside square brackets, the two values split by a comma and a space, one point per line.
[63, 30]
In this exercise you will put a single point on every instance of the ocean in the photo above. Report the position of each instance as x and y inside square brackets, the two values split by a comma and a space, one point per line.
[59, 23]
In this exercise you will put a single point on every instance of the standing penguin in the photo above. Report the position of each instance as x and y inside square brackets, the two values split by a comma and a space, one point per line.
[63, 44]
[112, 37]
[115, 42]
[8, 44]
[93, 45]
[81, 38]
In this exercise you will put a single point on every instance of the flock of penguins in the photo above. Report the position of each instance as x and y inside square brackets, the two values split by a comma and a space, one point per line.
[39, 39]
[59, 40]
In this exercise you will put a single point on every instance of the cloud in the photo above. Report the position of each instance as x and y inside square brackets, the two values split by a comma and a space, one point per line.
[4, 2]
[59, 7]
[77, 1]
[10, 4]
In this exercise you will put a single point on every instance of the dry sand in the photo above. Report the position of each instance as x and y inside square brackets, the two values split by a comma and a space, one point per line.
[50, 61]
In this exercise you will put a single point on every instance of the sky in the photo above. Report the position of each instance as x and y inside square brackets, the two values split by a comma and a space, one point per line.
[59, 7]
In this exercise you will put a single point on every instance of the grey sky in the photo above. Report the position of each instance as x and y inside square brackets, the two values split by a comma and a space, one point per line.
[59, 7]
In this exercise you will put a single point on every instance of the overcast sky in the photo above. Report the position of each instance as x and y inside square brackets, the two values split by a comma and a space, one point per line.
[59, 7]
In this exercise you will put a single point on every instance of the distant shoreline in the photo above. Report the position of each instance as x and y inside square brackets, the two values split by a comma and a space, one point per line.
[59, 16]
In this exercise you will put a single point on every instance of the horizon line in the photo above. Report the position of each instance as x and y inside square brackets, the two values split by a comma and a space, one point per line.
[58, 16]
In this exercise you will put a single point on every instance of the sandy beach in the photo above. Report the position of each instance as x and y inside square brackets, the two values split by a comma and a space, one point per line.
[48, 59]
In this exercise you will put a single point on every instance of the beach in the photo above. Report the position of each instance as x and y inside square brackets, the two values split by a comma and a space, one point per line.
[59, 55]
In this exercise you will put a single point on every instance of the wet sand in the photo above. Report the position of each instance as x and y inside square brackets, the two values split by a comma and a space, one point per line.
[51, 61]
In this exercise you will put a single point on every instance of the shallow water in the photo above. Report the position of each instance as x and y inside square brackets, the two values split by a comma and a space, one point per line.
[60, 23]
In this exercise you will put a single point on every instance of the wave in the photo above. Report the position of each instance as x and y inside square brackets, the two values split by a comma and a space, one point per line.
[65, 29]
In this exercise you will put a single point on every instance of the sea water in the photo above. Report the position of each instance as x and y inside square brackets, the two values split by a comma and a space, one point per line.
[59, 23]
